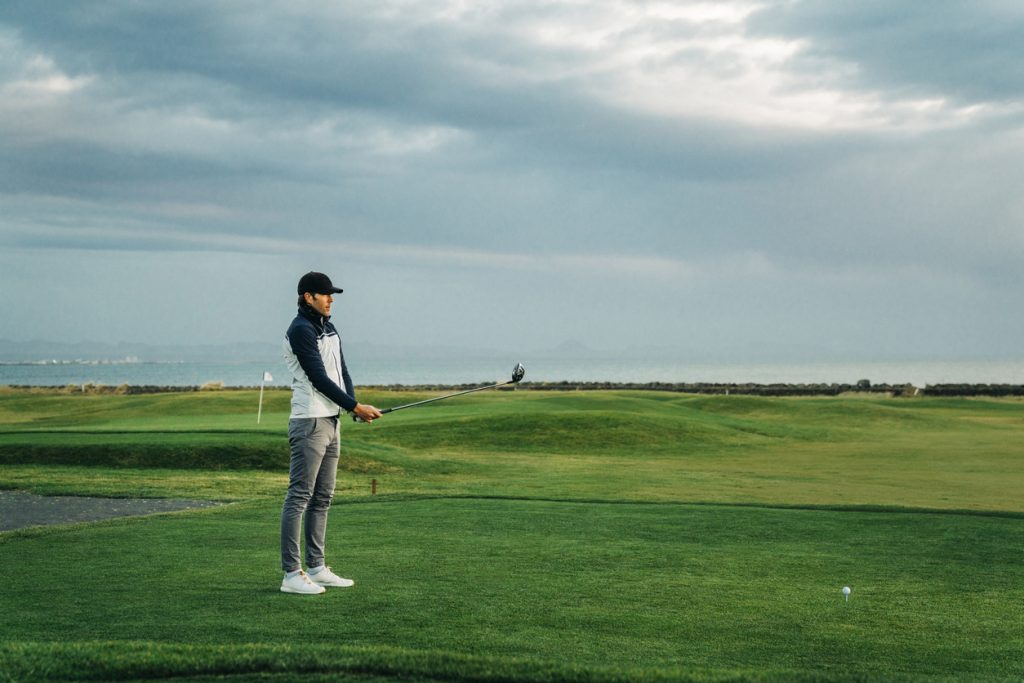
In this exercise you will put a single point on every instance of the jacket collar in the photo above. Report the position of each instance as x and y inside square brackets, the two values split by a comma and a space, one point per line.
[313, 316]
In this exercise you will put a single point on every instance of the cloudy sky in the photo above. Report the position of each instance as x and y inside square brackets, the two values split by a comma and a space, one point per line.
[737, 180]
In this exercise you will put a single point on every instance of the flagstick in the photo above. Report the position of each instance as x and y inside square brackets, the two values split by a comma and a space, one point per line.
[259, 413]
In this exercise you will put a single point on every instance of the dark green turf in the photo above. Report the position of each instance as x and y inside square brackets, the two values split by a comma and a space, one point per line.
[592, 585]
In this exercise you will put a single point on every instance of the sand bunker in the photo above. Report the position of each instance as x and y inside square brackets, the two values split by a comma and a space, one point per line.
[19, 509]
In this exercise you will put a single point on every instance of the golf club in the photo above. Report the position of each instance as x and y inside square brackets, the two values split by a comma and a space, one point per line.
[517, 374]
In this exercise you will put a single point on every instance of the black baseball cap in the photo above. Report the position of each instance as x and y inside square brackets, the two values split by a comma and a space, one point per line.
[317, 283]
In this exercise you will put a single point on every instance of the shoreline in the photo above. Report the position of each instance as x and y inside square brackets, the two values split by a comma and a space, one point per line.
[862, 387]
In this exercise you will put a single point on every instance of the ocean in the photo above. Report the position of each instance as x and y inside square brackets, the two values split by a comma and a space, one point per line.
[451, 371]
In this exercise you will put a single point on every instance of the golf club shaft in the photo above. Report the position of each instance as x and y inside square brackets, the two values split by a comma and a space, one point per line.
[517, 376]
[441, 398]
[431, 400]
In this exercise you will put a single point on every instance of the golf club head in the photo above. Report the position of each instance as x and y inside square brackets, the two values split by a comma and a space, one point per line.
[517, 373]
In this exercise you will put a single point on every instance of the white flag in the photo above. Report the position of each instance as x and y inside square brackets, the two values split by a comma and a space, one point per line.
[267, 377]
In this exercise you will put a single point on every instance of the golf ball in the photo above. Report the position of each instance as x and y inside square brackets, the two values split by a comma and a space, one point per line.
[846, 590]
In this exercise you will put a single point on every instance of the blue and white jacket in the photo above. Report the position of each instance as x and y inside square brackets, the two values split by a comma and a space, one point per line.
[320, 379]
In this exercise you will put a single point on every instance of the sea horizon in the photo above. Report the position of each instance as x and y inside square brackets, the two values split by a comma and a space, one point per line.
[452, 371]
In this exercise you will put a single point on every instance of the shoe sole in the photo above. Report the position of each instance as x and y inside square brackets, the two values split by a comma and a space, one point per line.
[335, 585]
[295, 592]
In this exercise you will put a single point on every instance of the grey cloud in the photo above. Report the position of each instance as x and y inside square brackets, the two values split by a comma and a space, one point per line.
[424, 79]
[320, 59]
[966, 51]
[515, 133]
[282, 65]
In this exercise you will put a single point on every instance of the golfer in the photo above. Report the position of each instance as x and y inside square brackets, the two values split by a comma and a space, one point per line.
[321, 387]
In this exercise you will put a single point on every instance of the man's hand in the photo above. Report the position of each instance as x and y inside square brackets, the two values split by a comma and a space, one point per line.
[366, 413]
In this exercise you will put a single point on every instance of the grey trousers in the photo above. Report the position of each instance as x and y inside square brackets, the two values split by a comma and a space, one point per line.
[312, 474]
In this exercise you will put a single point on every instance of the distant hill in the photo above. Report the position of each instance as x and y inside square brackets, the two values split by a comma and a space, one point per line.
[572, 348]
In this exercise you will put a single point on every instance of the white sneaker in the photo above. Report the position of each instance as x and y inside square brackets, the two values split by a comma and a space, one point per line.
[300, 583]
[325, 577]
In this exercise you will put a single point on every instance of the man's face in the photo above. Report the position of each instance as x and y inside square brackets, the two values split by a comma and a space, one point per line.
[321, 303]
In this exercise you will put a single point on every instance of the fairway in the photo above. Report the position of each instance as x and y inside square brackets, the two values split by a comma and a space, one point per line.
[532, 536]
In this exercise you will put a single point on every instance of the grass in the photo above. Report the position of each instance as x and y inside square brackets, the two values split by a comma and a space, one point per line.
[530, 536]
[700, 587]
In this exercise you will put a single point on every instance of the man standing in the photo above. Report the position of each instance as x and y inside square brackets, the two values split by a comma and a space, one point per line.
[321, 387]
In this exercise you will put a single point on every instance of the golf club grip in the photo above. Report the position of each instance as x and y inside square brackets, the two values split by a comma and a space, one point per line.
[383, 411]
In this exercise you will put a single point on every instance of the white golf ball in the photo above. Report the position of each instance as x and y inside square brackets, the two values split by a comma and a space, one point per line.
[846, 590]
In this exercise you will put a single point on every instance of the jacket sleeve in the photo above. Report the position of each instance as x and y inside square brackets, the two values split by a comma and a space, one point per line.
[303, 342]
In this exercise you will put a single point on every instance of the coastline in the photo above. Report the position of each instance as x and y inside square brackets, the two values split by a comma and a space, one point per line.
[582, 371]
[863, 388]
